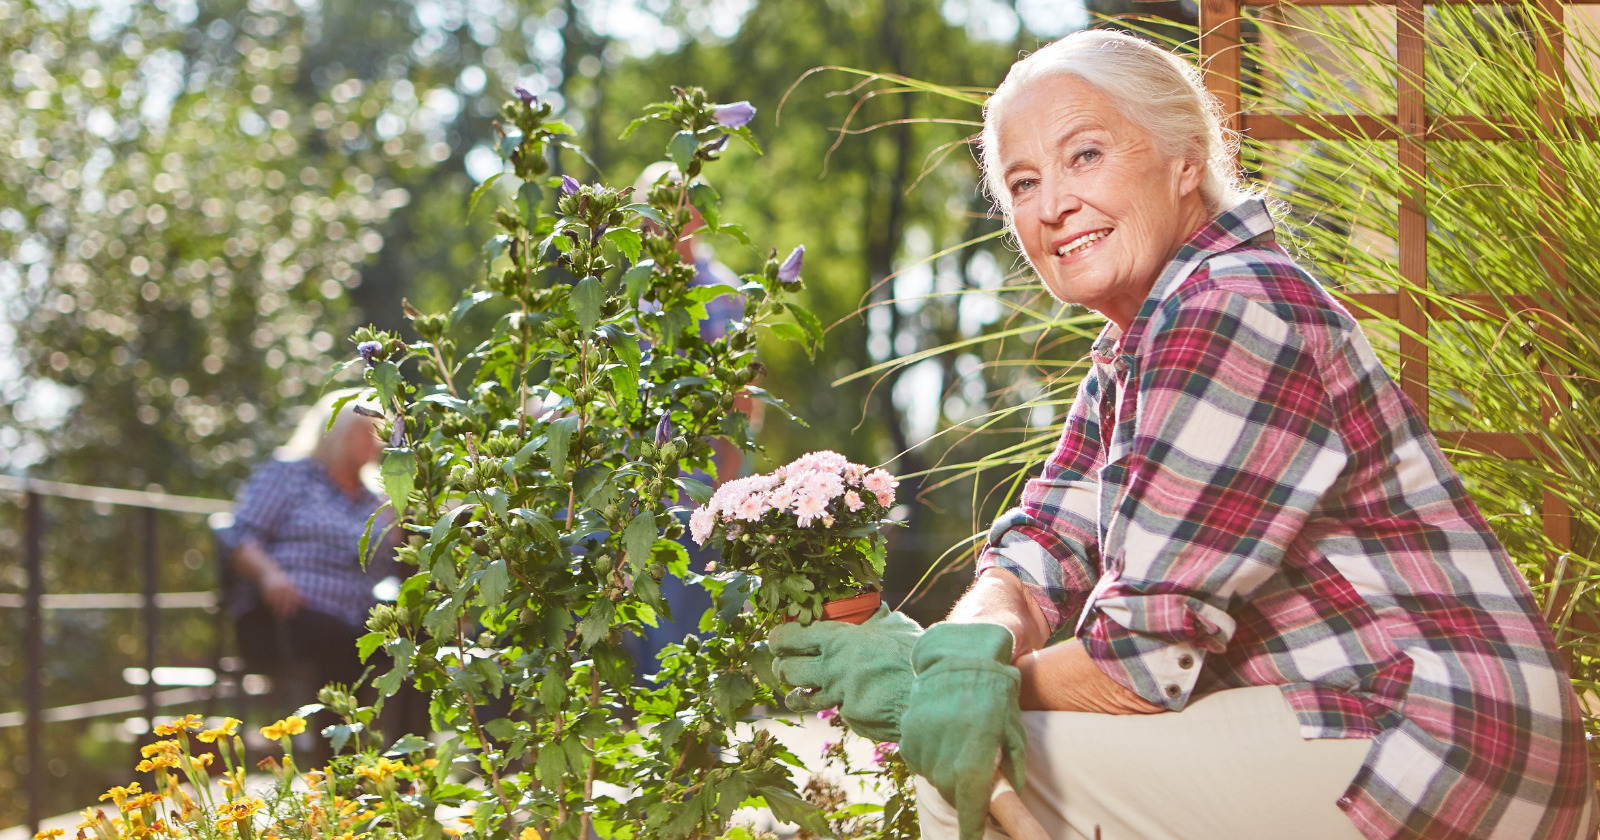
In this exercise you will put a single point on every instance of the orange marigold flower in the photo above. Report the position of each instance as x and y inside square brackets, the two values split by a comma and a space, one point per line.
[237, 811]
[49, 834]
[143, 800]
[120, 794]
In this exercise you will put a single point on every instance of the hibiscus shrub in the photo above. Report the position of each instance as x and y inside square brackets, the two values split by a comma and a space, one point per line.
[537, 465]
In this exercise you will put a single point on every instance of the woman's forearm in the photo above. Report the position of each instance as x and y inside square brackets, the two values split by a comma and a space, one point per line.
[1062, 678]
[998, 597]
[254, 564]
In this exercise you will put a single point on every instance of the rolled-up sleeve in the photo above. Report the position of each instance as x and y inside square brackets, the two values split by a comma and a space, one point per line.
[1049, 541]
[1233, 446]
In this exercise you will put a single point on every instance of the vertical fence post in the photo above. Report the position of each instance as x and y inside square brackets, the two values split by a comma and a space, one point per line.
[33, 622]
[152, 616]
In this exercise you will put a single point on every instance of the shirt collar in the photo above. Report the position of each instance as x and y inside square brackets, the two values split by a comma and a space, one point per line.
[1245, 223]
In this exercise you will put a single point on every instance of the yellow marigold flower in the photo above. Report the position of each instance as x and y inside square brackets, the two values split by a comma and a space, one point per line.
[143, 800]
[237, 811]
[165, 748]
[429, 763]
[291, 725]
[177, 725]
[120, 794]
[228, 727]
[49, 834]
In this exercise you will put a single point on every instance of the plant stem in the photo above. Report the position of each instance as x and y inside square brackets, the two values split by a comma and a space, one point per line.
[588, 743]
[483, 739]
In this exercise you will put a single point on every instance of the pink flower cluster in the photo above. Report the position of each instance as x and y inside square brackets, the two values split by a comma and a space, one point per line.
[806, 487]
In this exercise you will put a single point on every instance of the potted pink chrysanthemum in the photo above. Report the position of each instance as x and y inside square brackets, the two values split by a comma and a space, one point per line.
[810, 531]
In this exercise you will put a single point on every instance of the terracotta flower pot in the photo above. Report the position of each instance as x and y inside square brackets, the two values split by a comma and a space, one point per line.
[853, 610]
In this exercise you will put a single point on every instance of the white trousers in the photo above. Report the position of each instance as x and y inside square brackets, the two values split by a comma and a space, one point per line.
[1231, 766]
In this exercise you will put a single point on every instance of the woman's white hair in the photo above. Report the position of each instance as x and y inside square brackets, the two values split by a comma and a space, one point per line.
[313, 437]
[1156, 90]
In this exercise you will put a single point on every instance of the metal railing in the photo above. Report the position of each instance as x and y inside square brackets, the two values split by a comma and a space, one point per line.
[150, 602]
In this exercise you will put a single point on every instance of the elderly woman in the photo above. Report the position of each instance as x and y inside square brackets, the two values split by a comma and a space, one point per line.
[296, 537]
[1288, 618]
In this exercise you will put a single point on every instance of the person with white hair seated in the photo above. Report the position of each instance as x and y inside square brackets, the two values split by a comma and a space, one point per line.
[1284, 616]
[296, 535]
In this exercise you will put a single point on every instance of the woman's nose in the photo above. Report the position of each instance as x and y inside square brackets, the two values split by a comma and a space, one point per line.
[1057, 201]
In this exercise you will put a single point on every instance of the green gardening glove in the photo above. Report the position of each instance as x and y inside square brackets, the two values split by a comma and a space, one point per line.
[864, 670]
[963, 716]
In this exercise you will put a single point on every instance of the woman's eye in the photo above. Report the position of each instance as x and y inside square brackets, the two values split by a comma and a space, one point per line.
[1086, 156]
[1021, 185]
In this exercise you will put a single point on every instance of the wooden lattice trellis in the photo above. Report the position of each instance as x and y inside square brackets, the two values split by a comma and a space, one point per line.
[1411, 127]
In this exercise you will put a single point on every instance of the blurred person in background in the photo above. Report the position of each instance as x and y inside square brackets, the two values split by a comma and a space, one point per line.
[302, 591]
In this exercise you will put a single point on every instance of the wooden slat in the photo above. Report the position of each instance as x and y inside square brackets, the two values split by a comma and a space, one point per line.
[1411, 114]
[1509, 445]
[1221, 48]
[1268, 127]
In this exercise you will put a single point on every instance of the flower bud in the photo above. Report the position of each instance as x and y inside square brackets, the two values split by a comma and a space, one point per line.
[734, 114]
[789, 272]
[525, 95]
[664, 430]
[569, 185]
[371, 352]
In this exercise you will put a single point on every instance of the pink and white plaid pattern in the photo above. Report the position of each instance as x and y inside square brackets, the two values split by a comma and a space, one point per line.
[1243, 496]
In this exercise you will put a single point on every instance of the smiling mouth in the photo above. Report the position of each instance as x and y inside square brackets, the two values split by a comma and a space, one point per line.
[1082, 242]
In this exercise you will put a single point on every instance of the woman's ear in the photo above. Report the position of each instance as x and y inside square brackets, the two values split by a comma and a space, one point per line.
[1191, 171]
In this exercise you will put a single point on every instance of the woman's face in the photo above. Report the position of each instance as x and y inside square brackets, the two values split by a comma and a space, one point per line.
[1098, 208]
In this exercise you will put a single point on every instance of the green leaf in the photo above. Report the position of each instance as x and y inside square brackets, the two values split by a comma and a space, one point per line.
[627, 241]
[590, 485]
[705, 199]
[597, 624]
[543, 526]
[731, 691]
[386, 378]
[787, 807]
[494, 248]
[401, 650]
[791, 332]
[498, 501]
[585, 301]
[559, 435]
[646, 211]
[552, 764]
[369, 643]
[626, 382]
[467, 302]
[682, 148]
[637, 279]
[408, 744]
[638, 538]
[399, 476]
[502, 728]
[494, 583]
[698, 491]
[808, 321]
[529, 196]
[488, 184]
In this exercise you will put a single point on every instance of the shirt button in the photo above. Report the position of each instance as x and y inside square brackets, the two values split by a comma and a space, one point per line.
[1186, 662]
[1174, 691]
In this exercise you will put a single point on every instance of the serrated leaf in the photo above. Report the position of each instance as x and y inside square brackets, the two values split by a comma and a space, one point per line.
[731, 691]
[698, 492]
[529, 197]
[559, 439]
[543, 526]
[627, 241]
[552, 763]
[638, 538]
[637, 279]
[645, 210]
[386, 378]
[408, 744]
[399, 473]
[498, 501]
[509, 143]
[597, 624]
[791, 332]
[494, 583]
[496, 246]
[466, 304]
[400, 650]
[488, 184]
[705, 199]
[626, 382]
[809, 322]
[369, 643]
[502, 728]
[787, 807]
[585, 301]
[682, 148]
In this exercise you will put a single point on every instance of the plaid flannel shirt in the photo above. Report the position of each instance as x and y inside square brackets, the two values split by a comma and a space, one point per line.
[1243, 496]
[312, 530]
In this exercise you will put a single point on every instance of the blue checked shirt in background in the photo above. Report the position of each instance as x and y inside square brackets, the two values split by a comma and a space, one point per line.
[1243, 496]
[312, 530]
